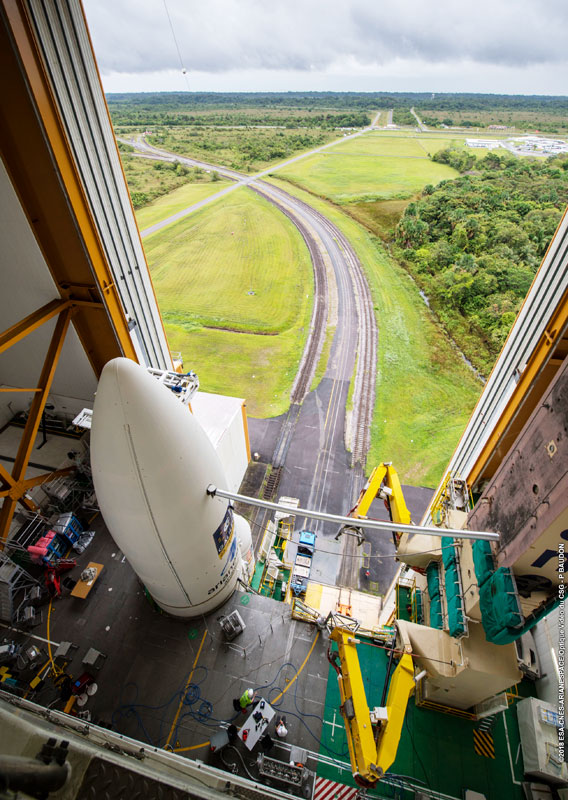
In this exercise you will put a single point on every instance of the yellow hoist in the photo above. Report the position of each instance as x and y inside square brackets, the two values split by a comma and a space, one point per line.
[373, 735]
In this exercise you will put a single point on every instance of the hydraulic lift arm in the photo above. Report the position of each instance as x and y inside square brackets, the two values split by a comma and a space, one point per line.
[372, 737]
[385, 483]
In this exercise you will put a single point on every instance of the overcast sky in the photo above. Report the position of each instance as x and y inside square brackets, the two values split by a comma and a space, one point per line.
[498, 46]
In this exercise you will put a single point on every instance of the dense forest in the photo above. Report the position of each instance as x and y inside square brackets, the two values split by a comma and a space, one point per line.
[178, 101]
[336, 109]
[474, 243]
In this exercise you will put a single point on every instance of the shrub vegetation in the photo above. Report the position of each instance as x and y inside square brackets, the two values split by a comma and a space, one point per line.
[475, 243]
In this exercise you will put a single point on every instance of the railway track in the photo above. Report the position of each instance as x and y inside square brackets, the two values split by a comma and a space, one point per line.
[316, 336]
[365, 371]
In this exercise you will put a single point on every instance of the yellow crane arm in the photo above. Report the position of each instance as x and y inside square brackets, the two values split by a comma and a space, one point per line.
[385, 478]
[372, 748]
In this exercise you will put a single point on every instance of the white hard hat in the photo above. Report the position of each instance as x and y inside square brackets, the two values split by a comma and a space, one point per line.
[250, 693]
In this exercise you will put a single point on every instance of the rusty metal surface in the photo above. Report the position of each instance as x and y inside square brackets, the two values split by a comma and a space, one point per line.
[532, 473]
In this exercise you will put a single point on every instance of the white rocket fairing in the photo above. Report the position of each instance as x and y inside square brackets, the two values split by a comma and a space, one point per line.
[151, 464]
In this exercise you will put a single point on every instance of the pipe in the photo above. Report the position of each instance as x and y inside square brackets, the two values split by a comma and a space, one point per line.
[369, 524]
[387, 676]
[31, 776]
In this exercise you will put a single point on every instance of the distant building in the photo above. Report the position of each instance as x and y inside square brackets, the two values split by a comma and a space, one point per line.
[488, 144]
[539, 145]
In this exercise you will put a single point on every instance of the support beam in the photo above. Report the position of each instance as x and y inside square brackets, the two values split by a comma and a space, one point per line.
[11, 484]
[40, 161]
[526, 396]
[370, 524]
[6, 477]
[17, 490]
[26, 389]
[34, 418]
[31, 323]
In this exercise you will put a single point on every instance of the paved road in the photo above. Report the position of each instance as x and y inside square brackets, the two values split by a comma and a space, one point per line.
[240, 180]
[421, 125]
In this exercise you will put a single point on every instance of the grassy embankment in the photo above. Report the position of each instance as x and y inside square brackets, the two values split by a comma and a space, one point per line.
[147, 180]
[372, 167]
[425, 392]
[175, 201]
[235, 288]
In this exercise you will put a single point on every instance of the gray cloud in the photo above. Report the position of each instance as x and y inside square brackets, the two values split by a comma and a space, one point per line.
[219, 36]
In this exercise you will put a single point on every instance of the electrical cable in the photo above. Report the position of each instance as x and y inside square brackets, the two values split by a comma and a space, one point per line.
[230, 747]
[183, 69]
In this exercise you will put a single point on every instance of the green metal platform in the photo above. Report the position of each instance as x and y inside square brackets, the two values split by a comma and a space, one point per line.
[436, 749]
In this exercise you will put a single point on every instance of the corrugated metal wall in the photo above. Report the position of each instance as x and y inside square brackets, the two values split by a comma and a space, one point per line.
[67, 53]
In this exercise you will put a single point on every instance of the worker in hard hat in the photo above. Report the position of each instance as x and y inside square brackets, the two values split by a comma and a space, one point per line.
[246, 699]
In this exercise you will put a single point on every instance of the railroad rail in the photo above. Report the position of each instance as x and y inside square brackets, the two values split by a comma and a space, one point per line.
[365, 371]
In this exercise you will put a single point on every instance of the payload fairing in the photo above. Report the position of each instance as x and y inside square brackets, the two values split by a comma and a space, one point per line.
[151, 464]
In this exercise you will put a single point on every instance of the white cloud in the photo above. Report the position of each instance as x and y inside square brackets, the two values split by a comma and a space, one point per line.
[366, 45]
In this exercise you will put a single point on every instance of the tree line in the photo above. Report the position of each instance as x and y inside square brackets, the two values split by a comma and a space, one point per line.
[310, 101]
[475, 243]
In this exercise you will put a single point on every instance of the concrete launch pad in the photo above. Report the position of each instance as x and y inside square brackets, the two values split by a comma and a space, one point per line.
[168, 681]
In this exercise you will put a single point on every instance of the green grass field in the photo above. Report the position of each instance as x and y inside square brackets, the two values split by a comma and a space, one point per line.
[425, 393]
[147, 179]
[371, 167]
[175, 201]
[379, 144]
[235, 287]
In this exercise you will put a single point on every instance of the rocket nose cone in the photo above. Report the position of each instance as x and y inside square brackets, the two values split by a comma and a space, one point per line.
[151, 465]
[122, 376]
[135, 416]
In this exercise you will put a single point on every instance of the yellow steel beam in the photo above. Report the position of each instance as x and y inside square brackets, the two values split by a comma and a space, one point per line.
[520, 406]
[397, 503]
[40, 162]
[369, 492]
[354, 710]
[6, 477]
[383, 473]
[17, 490]
[401, 687]
[34, 417]
[370, 759]
[246, 430]
[31, 323]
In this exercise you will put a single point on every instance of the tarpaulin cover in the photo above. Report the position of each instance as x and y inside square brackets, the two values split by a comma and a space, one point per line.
[433, 578]
[500, 614]
[419, 606]
[452, 582]
[448, 551]
[482, 560]
[436, 613]
[455, 616]
[454, 602]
